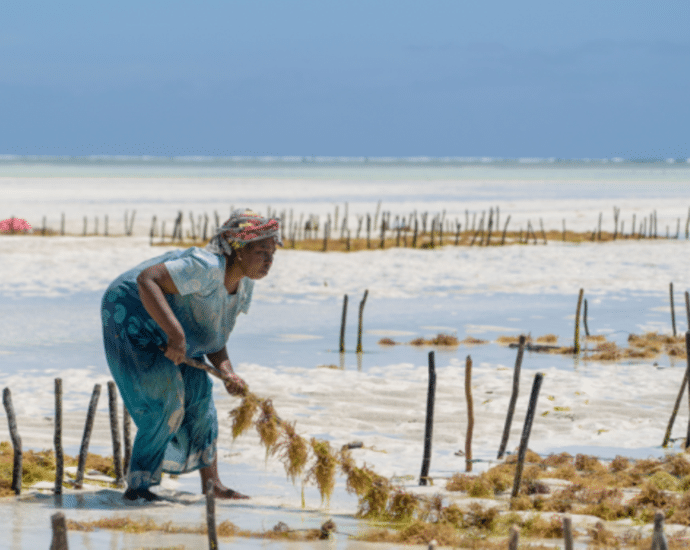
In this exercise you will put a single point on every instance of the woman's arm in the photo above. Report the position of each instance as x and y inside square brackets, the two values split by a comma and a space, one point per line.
[233, 383]
[154, 283]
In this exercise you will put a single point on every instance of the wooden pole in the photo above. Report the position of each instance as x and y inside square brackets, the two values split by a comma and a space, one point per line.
[127, 439]
[505, 229]
[88, 427]
[342, 325]
[687, 379]
[514, 537]
[470, 414]
[568, 532]
[326, 230]
[429, 425]
[360, 349]
[543, 233]
[687, 307]
[513, 397]
[576, 343]
[57, 439]
[211, 515]
[584, 319]
[16, 441]
[658, 538]
[673, 309]
[59, 541]
[527, 428]
[115, 433]
[669, 428]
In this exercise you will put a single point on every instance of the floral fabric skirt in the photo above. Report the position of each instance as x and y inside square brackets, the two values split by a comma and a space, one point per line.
[172, 406]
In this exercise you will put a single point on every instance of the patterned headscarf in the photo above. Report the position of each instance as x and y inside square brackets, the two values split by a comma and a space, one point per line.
[244, 226]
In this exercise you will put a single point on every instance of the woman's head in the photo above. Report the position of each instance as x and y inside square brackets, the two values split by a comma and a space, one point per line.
[243, 228]
[255, 258]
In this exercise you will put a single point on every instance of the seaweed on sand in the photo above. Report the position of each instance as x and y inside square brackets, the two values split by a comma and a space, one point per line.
[323, 470]
[372, 489]
[243, 416]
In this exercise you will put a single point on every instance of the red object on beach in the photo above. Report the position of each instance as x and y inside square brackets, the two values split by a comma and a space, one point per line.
[14, 225]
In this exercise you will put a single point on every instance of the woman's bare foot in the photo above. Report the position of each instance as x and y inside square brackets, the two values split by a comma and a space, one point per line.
[225, 492]
[209, 474]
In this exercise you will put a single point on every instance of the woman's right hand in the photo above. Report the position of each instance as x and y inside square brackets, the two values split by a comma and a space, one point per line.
[176, 350]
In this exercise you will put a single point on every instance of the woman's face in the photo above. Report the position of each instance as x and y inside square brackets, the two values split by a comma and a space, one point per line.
[256, 258]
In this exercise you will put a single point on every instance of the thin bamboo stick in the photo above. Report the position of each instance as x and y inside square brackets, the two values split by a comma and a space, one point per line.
[57, 439]
[16, 441]
[470, 414]
[513, 397]
[429, 424]
[527, 428]
[88, 427]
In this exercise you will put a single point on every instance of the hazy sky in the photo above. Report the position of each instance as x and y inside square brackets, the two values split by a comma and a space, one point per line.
[573, 79]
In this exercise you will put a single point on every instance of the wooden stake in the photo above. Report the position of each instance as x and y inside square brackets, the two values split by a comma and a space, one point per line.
[599, 227]
[88, 427]
[57, 439]
[616, 213]
[584, 319]
[568, 532]
[687, 379]
[543, 233]
[211, 515]
[658, 538]
[527, 428]
[115, 433]
[342, 325]
[514, 537]
[505, 229]
[470, 414]
[326, 229]
[127, 439]
[577, 322]
[513, 397]
[676, 406]
[429, 425]
[673, 309]
[59, 526]
[687, 308]
[361, 317]
[16, 441]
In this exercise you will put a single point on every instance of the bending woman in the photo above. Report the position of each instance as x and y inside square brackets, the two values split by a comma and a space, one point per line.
[184, 302]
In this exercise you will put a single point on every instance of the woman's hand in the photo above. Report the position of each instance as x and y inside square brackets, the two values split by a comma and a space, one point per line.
[176, 350]
[233, 383]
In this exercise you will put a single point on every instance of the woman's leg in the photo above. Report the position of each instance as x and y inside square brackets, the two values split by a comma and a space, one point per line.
[220, 490]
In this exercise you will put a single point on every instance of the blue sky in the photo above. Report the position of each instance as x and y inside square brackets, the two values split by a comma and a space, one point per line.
[599, 79]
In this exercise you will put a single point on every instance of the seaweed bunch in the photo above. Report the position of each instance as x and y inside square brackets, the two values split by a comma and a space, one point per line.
[294, 451]
[323, 470]
[372, 489]
[243, 415]
[268, 427]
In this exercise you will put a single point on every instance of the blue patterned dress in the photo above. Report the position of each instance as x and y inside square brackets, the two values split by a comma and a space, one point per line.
[172, 406]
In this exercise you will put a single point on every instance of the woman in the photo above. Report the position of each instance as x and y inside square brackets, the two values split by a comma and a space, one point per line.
[182, 304]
